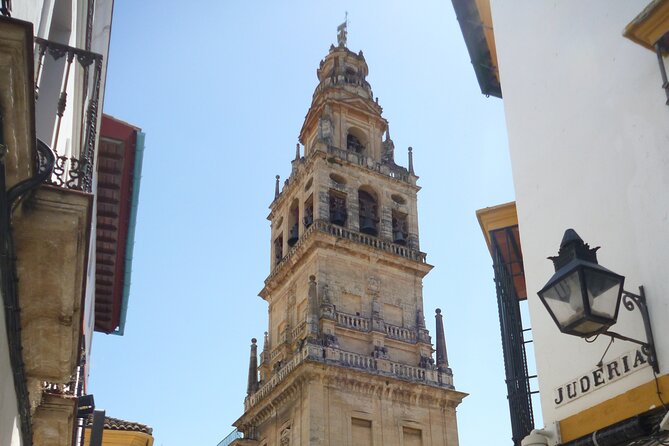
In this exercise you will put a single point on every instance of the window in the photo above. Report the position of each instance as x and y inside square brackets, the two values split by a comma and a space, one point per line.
[278, 249]
[308, 212]
[351, 76]
[354, 144]
[400, 232]
[293, 223]
[338, 212]
[412, 437]
[361, 432]
[369, 221]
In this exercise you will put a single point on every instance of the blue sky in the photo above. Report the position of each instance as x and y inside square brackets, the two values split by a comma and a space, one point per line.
[221, 88]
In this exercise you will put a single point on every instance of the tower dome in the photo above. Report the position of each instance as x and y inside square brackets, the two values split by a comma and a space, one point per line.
[342, 68]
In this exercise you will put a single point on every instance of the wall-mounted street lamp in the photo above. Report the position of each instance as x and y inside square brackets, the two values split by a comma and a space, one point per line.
[583, 297]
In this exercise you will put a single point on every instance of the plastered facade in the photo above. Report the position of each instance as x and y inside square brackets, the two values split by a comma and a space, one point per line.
[588, 144]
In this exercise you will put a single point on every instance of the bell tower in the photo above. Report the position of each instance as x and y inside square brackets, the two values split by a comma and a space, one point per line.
[347, 359]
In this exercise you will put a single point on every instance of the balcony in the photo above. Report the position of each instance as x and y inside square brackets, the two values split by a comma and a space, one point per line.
[401, 333]
[391, 170]
[325, 227]
[67, 91]
[230, 438]
[353, 322]
[51, 225]
[299, 332]
[429, 375]
[51, 307]
[364, 324]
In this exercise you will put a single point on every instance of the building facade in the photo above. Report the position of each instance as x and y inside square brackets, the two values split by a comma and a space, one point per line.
[347, 359]
[57, 189]
[587, 126]
[118, 432]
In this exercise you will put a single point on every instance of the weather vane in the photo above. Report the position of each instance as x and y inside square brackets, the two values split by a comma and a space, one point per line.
[341, 31]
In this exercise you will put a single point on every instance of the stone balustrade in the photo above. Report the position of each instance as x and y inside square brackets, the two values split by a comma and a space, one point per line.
[393, 171]
[369, 240]
[313, 352]
[357, 361]
[285, 337]
[274, 354]
[299, 331]
[354, 236]
[408, 371]
[400, 333]
[279, 376]
[352, 321]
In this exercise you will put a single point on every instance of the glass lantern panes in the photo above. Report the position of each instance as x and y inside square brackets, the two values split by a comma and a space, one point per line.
[564, 299]
[603, 292]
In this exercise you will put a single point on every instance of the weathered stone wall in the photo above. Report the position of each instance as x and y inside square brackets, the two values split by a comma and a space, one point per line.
[333, 406]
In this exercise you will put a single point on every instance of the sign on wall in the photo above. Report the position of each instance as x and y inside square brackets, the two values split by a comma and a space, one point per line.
[597, 378]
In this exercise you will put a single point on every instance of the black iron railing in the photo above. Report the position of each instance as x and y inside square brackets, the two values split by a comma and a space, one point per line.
[232, 436]
[6, 8]
[73, 168]
[513, 343]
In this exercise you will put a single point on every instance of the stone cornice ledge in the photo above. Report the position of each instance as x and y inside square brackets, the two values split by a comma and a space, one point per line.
[318, 234]
[306, 367]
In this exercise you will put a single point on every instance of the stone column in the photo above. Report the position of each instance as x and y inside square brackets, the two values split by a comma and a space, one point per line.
[312, 307]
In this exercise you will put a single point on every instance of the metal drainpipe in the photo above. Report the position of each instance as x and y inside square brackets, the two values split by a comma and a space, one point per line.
[97, 429]
[8, 279]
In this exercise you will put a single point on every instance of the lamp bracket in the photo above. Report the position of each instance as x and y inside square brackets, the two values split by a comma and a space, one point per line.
[630, 301]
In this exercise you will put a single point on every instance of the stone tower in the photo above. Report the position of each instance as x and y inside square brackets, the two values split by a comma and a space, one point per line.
[347, 359]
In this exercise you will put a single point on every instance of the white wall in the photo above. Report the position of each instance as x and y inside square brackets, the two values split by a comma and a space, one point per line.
[10, 433]
[30, 11]
[589, 141]
[99, 44]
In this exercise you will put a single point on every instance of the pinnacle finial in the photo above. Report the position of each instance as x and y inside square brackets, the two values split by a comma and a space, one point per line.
[252, 386]
[570, 236]
[312, 305]
[276, 187]
[411, 161]
[297, 151]
[573, 247]
[442, 358]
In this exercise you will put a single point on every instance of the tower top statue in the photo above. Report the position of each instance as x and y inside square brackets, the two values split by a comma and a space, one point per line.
[342, 32]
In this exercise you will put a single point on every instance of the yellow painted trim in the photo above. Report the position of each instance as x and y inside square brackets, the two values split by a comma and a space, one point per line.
[483, 7]
[633, 402]
[496, 217]
[112, 437]
[651, 24]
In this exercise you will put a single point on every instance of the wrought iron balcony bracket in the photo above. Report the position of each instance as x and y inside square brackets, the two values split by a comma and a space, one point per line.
[44, 161]
[630, 301]
[663, 71]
